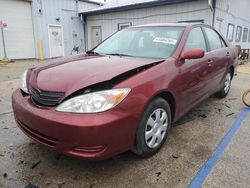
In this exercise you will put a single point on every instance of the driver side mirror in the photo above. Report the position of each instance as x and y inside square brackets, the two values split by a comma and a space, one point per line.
[195, 53]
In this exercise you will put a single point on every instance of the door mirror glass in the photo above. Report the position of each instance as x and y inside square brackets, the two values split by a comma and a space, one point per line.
[195, 53]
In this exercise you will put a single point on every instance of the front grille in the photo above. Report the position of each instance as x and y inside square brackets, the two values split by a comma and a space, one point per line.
[46, 98]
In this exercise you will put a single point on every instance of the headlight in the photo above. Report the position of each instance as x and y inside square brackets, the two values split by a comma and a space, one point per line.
[94, 102]
[23, 82]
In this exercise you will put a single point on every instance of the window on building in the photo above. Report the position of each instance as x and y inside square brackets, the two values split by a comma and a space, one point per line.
[215, 41]
[230, 32]
[238, 34]
[245, 33]
[124, 25]
[195, 40]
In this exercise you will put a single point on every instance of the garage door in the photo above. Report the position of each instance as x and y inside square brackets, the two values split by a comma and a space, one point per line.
[19, 37]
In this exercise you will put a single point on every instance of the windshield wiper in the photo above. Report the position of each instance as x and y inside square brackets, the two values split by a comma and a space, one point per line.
[92, 53]
[118, 54]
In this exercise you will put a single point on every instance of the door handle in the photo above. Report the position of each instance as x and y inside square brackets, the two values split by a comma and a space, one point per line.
[210, 62]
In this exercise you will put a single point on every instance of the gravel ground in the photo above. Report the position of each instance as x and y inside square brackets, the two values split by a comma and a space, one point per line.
[192, 140]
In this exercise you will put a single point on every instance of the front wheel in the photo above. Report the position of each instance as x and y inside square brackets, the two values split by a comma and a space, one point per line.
[153, 128]
[226, 88]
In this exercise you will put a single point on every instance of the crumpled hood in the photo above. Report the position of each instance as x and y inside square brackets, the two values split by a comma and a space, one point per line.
[74, 73]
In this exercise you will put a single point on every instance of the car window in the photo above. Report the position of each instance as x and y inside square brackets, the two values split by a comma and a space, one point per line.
[215, 41]
[195, 40]
[148, 42]
[147, 35]
[126, 42]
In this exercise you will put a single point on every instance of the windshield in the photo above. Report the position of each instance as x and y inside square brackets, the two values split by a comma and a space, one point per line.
[149, 42]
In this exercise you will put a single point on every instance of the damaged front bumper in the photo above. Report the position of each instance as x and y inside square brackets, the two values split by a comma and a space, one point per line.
[93, 136]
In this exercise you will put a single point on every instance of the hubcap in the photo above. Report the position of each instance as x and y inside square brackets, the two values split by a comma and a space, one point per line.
[156, 128]
[227, 83]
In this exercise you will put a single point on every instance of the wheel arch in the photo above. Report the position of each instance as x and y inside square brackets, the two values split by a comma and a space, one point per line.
[232, 69]
[169, 97]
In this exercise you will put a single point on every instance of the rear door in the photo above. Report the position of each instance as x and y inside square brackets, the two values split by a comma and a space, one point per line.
[195, 72]
[219, 57]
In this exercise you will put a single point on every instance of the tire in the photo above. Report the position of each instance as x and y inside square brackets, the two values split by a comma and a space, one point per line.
[156, 121]
[226, 87]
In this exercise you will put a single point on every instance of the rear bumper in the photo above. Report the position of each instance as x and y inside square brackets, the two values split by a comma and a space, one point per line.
[93, 136]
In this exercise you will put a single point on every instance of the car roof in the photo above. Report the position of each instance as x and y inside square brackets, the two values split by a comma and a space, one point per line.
[170, 24]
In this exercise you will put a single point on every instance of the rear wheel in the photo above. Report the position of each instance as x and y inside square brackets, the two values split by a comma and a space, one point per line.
[226, 88]
[153, 128]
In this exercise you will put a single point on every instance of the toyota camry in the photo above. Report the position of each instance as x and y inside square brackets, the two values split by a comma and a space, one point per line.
[126, 92]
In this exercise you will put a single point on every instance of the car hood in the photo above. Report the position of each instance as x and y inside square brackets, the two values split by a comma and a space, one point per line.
[71, 74]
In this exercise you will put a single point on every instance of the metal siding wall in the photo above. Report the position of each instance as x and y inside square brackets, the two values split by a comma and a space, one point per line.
[234, 12]
[83, 6]
[169, 13]
[63, 9]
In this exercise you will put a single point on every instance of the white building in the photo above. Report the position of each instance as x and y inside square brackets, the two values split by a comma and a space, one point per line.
[53, 28]
[42, 28]
[230, 17]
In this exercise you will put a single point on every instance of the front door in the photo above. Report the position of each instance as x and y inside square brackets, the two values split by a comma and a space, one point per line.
[56, 43]
[96, 36]
[193, 73]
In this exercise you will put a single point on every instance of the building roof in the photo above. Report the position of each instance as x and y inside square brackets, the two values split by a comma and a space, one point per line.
[121, 5]
[91, 2]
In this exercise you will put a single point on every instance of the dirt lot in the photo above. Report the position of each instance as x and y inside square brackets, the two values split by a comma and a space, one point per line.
[192, 141]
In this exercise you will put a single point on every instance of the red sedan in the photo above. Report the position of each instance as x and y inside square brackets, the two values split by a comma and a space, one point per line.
[125, 93]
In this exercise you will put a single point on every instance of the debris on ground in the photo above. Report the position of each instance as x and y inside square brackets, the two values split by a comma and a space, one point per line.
[35, 164]
[76, 178]
[11, 146]
[230, 114]
[21, 162]
[12, 155]
[203, 115]
[92, 185]
[5, 175]
[30, 186]
[61, 185]
[175, 157]
[158, 174]
[227, 106]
